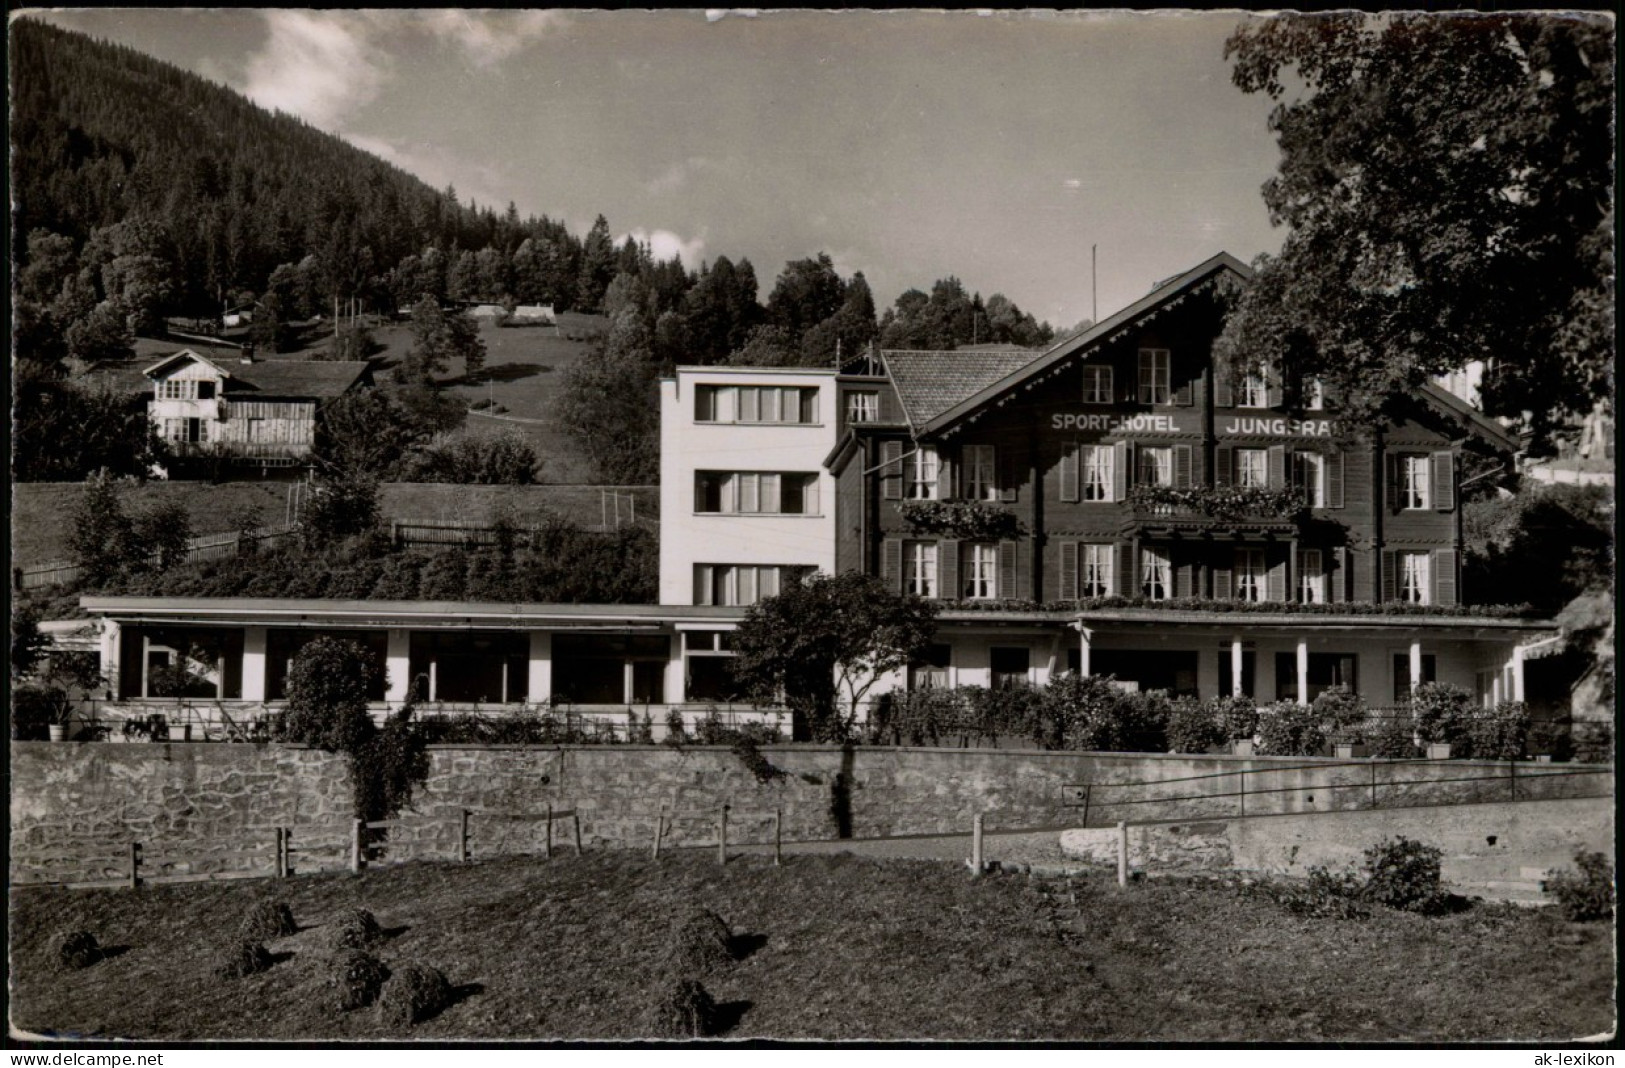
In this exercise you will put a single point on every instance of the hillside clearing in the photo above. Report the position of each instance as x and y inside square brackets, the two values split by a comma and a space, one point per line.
[832, 948]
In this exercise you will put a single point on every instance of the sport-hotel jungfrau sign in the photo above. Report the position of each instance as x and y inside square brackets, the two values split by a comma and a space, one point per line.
[1190, 423]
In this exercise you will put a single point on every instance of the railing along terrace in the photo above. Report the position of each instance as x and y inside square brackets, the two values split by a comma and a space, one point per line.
[1218, 503]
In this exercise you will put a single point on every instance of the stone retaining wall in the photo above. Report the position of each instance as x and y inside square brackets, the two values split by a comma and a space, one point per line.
[213, 808]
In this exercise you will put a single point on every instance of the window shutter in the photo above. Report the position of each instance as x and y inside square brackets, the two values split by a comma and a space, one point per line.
[1124, 578]
[1223, 393]
[1004, 463]
[1120, 471]
[1069, 471]
[947, 457]
[1069, 570]
[1024, 570]
[1277, 467]
[1389, 578]
[1224, 466]
[1272, 387]
[890, 411]
[1334, 480]
[1444, 576]
[891, 470]
[1224, 586]
[1390, 480]
[1007, 569]
[1444, 481]
[891, 564]
[948, 569]
[1184, 579]
[1182, 466]
[1128, 386]
[1183, 393]
[1275, 580]
[1337, 569]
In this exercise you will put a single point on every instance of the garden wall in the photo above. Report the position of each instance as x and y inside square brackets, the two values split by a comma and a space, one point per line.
[213, 808]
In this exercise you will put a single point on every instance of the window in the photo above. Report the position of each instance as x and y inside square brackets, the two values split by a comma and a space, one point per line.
[1311, 578]
[1413, 577]
[1252, 468]
[1155, 375]
[921, 481]
[1156, 466]
[171, 389]
[863, 406]
[1254, 391]
[979, 477]
[738, 584]
[920, 568]
[610, 669]
[1096, 580]
[1249, 574]
[1309, 476]
[1156, 575]
[1413, 482]
[981, 571]
[931, 673]
[1402, 674]
[755, 493]
[1326, 670]
[1011, 666]
[707, 657]
[1097, 384]
[1314, 395]
[1249, 668]
[205, 391]
[1097, 472]
[755, 404]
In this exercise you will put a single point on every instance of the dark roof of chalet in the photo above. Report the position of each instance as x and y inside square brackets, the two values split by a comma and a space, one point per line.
[997, 346]
[929, 383]
[314, 379]
[122, 378]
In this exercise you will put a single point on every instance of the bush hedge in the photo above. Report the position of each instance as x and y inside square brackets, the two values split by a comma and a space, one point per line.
[413, 993]
[1586, 893]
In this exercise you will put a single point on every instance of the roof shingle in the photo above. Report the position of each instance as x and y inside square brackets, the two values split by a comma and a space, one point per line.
[929, 383]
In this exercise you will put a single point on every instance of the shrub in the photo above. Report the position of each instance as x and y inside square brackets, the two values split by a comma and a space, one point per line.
[1093, 713]
[1015, 711]
[1237, 717]
[921, 716]
[1586, 893]
[1499, 733]
[710, 730]
[352, 929]
[700, 944]
[267, 919]
[686, 1010]
[413, 993]
[1192, 727]
[1404, 874]
[1442, 712]
[1287, 728]
[1343, 712]
[1321, 895]
[240, 959]
[75, 949]
[354, 979]
[1391, 736]
[676, 734]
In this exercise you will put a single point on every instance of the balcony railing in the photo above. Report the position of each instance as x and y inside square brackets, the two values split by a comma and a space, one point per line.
[250, 450]
[1218, 504]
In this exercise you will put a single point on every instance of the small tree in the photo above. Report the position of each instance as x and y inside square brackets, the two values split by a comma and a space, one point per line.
[823, 644]
[327, 695]
[340, 506]
[101, 532]
[163, 532]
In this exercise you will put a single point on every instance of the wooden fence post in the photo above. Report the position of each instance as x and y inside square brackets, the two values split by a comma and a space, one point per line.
[778, 837]
[660, 826]
[1122, 853]
[281, 852]
[722, 837]
[548, 849]
[976, 846]
[462, 839]
[575, 822]
[135, 865]
[358, 855]
[1243, 796]
[1512, 778]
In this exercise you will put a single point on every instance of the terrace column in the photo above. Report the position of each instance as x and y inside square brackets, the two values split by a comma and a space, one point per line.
[1416, 665]
[1495, 690]
[1084, 634]
[1235, 667]
[109, 656]
[541, 666]
[1303, 672]
[1517, 674]
[398, 662]
[253, 663]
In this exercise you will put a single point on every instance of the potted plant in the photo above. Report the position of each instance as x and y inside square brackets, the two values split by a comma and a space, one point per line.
[1238, 719]
[1442, 714]
[1349, 743]
[1344, 714]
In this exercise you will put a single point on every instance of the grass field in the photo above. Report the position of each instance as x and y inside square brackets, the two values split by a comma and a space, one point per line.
[832, 948]
[42, 512]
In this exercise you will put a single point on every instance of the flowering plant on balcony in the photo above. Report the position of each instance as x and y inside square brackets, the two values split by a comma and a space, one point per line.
[971, 520]
[1219, 502]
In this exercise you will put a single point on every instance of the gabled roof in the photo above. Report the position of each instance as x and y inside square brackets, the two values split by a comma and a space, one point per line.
[1165, 293]
[1476, 421]
[929, 383]
[317, 379]
[185, 354]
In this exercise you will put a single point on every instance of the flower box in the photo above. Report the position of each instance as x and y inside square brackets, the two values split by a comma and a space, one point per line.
[1438, 750]
[1352, 750]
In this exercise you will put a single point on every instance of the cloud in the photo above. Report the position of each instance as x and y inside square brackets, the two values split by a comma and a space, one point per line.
[482, 183]
[677, 175]
[318, 65]
[1073, 183]
[663, 245]
[489, 37]
[324, 66]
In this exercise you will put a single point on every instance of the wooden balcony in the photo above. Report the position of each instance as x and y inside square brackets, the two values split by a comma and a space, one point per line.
[1214, 510]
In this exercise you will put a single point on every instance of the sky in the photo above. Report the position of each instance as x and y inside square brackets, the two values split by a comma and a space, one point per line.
[995, 147]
